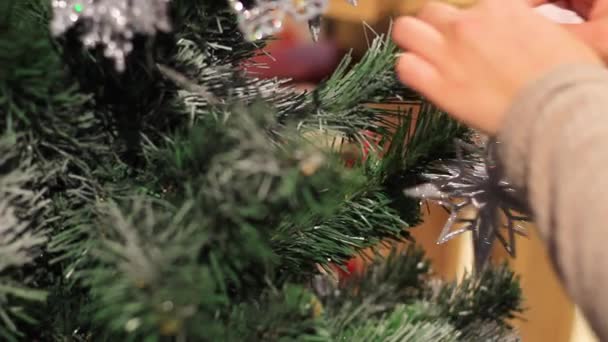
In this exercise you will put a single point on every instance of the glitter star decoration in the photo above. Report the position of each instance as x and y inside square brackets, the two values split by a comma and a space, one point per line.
[111, 23]
[266, 17]
[475, 183]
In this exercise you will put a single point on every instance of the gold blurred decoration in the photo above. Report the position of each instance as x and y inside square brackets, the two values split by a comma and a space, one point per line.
[413, 6]
[550, 315]
[376, 9]
[170, 326]
[316, 307]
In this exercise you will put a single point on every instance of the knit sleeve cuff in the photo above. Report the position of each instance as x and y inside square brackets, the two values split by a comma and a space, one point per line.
[528, 115]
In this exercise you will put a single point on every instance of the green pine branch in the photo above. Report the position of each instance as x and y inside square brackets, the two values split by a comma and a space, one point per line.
[479, 305]
[362, 222]
[493, 295]
[23, 214]
[399, 325]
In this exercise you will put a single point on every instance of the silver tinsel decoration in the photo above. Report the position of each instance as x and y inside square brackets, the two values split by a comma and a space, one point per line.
[111, 23]
[266, 17]
[476, 183]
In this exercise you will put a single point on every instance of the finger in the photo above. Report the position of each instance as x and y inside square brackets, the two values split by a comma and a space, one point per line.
[593, 33]
[439, 15]
[419, 74]
[594, 10]
[416, 36]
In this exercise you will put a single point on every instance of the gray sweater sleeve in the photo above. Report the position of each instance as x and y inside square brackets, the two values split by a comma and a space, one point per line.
[554, 145]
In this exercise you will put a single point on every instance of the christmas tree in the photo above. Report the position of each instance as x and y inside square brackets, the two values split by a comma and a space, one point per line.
[153, 190]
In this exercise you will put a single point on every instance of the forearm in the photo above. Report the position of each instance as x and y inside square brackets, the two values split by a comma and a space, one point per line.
[555, 147]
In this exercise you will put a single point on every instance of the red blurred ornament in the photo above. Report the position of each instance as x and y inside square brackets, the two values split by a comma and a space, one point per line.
[289, 56]
[373, 143]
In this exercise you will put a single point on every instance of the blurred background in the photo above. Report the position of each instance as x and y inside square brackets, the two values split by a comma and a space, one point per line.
[550, 315]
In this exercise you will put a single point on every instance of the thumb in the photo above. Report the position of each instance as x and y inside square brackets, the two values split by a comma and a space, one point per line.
[594, 33]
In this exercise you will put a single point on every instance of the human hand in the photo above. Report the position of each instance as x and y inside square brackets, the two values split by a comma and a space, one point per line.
[594, 31]
[472, 62]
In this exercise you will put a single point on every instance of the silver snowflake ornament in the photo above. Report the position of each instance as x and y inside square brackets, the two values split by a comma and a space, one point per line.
[266, 17]
[262, 20]
[111, 23]
[475, 183]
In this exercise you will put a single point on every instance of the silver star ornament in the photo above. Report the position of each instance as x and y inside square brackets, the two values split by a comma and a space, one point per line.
[475, 184]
